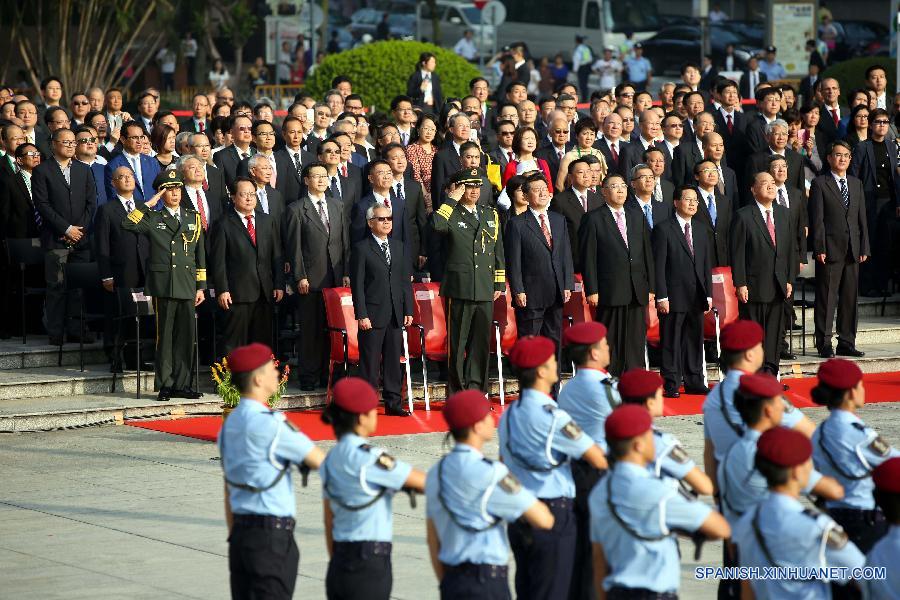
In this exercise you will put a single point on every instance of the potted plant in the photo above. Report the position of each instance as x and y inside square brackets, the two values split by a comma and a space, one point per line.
[225, 388]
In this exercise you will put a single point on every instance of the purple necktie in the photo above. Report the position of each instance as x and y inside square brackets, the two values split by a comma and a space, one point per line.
[620, 222]
[687, 236]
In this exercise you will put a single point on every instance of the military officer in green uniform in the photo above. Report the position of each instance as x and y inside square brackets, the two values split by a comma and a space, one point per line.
[176, 278]
[475, 276]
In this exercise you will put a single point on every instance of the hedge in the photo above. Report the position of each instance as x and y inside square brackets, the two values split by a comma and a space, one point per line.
[851, 74]
[379, 71]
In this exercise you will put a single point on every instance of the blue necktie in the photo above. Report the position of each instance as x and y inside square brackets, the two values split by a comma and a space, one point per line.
[712, 209]
[845, 192]
[649, 215]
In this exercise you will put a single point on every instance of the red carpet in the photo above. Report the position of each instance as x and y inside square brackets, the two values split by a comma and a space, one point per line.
[880, 387]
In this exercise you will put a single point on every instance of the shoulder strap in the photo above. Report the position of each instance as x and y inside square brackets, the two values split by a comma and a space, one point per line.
[453, 516]
[345, 505]
[738, 429]
[246, 486]
[835, 464]
[628, 528]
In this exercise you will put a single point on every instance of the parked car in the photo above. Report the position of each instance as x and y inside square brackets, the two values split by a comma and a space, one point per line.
[365, 20]
[454, 17]
[857, 37]
[674, 46]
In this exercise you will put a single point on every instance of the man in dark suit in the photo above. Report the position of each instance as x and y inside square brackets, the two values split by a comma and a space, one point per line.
[198, 122]
[503, 152]
[346, 190]
[640, 196]
[830, 111]
[424, 85]
[764, 263]
[683, 262]
[768, 105]
[290, 161]
[269, 200]
[690, 151]
[382, 301]
[381, 179]
[446, 161]
[227, 159]
[576, 201]
[613, 147]
[715, 212]
[840, 239]
[246, 267]
[539, 264]
[407, 203]
[751, 77]
[663, 188]
[65, 196]
[318, 247]
[17, 210]
[731, 123]
[617, 264]
[727, 183]
[145, 168]
[193, 194]
[776, 137]
[121, 256]
[875, 165]
[557, 146]
[213, 183]
[650, 131]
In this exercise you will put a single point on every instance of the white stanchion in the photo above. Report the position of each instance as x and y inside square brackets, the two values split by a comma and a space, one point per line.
[500, 366]
[409, 390]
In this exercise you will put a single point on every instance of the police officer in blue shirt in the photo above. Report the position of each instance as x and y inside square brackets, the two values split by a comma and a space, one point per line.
[468, 499]
[886, 552]
[741, 486]
[773, 69]
[358, 485]
[537, 440]
[588, 397]
[634, 515]
[845, 448]
[779, 532]
[645, 388]
[639, 69]
[258, 447]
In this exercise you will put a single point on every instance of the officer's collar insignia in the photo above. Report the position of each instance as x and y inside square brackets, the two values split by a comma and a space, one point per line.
[191, 226]
[172, 174]
[474, 172]
[461, 224]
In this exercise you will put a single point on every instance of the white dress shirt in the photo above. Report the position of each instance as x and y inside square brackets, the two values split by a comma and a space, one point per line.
[263, 199]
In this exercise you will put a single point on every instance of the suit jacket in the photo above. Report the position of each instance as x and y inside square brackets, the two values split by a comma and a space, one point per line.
[797, 208]
[351, 192]
[143, 190]
[735, 142]
[417, 220]
[548, 153]
[380, 291]
[567, 204]
[276, 206]
[807, 91]
[826, 127]
[635, 151]
[501, 158]
[120, 254]
[708, 79]
[759, 161]
[99, 173]
[16, 208]
[319, 255]
[764, 268]
[684, 278]
[217, 192]
[744, 85]
[289, 182]
[755, 134]
[414, 90]
[531, 264]
[718, 234]
[667, 174]
[659, 211]
[242, 269]
[838, 233]
[445, 163]
[668, 190]
[404, 229]
[863, 166]
[619, 274]
[216, 210]
[687, 154]
[188, 124]
[622, 166]
[227, 161]
[61, 204]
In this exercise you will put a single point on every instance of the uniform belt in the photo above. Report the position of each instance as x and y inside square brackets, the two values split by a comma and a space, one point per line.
[265, 522]
[624, 593]
[561, 502]
[481, 571]
[363, 548]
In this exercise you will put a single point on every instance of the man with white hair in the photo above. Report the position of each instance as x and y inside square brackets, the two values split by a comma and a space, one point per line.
[269, 199]
[777, 138]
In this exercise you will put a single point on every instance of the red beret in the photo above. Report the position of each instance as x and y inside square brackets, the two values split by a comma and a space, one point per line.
[886, 476]
[531, 351]
[761, 385]
[588, 332]
[627, 421]
[639, 383]
[784, 447]
[355, 395]
[839, 373]
[464, 409]
[248, 358]
[741, 335]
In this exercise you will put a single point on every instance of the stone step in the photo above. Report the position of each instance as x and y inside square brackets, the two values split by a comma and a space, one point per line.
[16, 355]
[57, 382]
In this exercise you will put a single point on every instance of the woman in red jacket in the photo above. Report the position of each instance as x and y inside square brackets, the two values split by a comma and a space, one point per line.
[524, 144]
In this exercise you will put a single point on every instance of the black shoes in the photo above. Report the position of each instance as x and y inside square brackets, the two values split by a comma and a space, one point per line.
[307, 387]
[396, 411]
[788, 355]
[671, 395]
[186, 393]
[164, 395]
[849, 351]
[700, 389]
[826, 352]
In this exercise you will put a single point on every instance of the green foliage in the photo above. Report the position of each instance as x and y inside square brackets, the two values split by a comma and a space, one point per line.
[242, 23]
[851, 74]
[379, 71]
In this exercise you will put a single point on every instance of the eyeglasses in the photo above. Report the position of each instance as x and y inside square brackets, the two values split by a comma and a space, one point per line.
[689, 201]
[244, 128]
[560, 131]
[514, 133]
[644, 177]
[628, 120]
[32, 154]
[136, 137]
[841, 155]
[66, 143]
[708, 171]
[627, 95]
[331, 151]
[89, 140]
[881, 122]
[316, 176]
[382, 219]
[617, 186]
[265, 134]
[675, 125]
[81, 103]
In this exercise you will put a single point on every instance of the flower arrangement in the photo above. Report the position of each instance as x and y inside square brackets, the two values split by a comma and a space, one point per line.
[230, 395]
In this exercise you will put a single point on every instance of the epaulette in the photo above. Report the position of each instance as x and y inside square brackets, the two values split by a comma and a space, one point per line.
[135, 216]
[860, 426]
[366, 447]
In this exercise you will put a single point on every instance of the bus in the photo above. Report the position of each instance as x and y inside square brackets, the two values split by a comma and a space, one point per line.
[550, 26]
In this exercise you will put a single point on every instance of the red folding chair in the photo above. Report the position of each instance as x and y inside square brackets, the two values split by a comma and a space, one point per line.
[431, 321]
[725, 306]
[340, 322]
[505, 334]
[576, 310]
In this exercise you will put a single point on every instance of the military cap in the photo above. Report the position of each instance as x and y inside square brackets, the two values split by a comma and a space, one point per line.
[839, 373]
[627, 421]
[248, 358]
[531, 351]
[355, 395]
[771, 49]
[464, 409]
[886, 476]
[784, 447]
[167, 179]
[588, 332]
[741, 335]
[639, 383]
[468, 176]
[638, 45]
[761, 385]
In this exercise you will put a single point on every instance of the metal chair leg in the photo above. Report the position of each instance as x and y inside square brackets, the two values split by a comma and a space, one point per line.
[137, 330]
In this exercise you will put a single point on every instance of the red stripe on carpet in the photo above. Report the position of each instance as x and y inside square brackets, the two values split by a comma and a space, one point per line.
[880, 387]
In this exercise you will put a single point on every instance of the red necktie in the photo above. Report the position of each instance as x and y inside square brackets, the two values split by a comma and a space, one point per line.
[615, 155]
[202, 211]
[205, 185]
[510, 155]
[251, 229]
[202, 126]
[834, 115]
[730, 124]
[770, 225]
[546, 231]
[344, 170]
[387, 202]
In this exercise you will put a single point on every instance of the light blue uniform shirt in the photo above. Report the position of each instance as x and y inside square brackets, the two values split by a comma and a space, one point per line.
[671, 460]
[536, 440]
[481, 495]
[589, 398]
[256, 444]
[885, 553]
[722, 422]
[846, 449]
[794, 538]
[741, 486]
[773, 71]
[353, 475]
[652, 508]
[638, 69]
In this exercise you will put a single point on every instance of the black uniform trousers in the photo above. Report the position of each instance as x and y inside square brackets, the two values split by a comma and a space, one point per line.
[585, 477]
[359, 571]
[469, 328]
[475, 582]
[545, 559]
[263, 563]
[681, 349]
[770, 315]
[627, 336]
[248, 322]
[836, 290]
[315, 342]
[174, 343]
[380, 349]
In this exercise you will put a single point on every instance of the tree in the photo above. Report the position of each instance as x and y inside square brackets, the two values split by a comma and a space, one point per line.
[237, 23]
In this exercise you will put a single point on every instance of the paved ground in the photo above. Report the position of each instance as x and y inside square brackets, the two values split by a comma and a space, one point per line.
[122, 512]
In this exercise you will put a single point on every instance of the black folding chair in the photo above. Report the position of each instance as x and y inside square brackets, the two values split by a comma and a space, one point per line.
[131, 303]
[25, 252]
[806, 275]
[85, 277]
